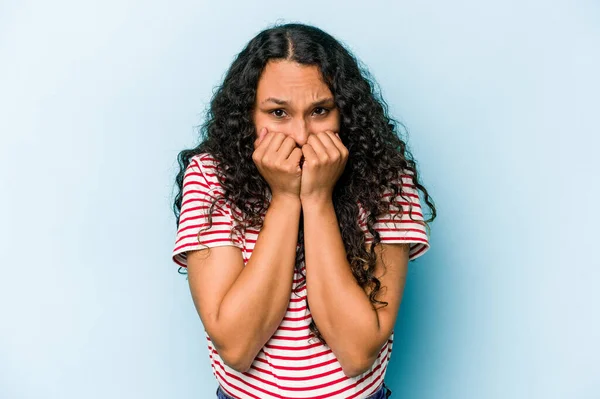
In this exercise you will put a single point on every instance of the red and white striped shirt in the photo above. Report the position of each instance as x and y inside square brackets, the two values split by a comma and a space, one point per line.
[287, 366]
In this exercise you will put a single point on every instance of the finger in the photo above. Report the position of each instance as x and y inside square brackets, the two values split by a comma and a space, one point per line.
[260, 136]
[261, 149]
[274, 144]
[286, 148]
[335, 140]
[295, 158]
[329, 140]
[310, 156]
[319, 147]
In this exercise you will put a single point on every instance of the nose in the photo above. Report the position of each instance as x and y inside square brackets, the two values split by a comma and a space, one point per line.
[301, 129]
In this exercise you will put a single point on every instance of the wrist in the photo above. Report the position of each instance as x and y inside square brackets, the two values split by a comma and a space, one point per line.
[315, 202]
[286, 200]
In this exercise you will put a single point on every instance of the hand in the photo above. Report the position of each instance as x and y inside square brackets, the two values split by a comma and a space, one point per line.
[278, 161]
[325, 158]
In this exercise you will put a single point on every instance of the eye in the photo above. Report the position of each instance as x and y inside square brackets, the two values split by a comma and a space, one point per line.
[277, 113]
[325, 111]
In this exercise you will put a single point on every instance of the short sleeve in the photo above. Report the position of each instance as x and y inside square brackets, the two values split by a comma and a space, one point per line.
[402, 229]
[200, 188]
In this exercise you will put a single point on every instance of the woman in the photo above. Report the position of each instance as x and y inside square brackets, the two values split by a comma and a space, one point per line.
[297, 216]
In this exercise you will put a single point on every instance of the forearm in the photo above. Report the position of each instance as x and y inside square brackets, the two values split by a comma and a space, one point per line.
[339, 305]
[256, 303]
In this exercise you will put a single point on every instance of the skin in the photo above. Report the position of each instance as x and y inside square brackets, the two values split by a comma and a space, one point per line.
[301, 157]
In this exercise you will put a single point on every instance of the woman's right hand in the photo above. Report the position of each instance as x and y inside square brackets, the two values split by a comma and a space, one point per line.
[278, 161]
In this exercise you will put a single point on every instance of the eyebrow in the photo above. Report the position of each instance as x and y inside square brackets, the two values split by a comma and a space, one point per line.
[324, 101]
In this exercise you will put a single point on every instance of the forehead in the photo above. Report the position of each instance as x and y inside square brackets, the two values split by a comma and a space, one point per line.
[292, 79]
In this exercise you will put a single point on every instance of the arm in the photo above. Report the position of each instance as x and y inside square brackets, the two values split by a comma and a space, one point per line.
[242, 306]
[354, 331]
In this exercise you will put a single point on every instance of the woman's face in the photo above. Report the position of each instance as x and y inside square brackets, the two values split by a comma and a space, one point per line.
[291, 98]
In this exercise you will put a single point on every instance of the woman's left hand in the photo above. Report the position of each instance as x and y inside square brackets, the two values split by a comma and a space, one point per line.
[325, 158]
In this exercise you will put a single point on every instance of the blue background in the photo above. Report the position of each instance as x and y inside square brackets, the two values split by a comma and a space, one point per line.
[501, 104]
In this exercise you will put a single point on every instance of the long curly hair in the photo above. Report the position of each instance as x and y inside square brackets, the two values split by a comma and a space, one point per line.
[377, 155]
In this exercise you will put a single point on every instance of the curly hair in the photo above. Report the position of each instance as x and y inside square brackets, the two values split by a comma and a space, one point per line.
[377, 155]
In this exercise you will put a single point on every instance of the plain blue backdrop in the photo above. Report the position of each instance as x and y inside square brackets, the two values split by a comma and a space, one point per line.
[501, 103]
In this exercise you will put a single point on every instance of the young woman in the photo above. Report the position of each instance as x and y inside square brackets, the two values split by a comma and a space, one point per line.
[297, 216]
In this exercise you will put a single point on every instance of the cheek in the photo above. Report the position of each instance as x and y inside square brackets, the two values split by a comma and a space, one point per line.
[333, 122]
[260, 121]
[257, 119]
[335, 116]
[325, 125]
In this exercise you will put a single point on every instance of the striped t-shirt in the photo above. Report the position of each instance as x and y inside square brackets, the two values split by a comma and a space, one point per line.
[287, 366]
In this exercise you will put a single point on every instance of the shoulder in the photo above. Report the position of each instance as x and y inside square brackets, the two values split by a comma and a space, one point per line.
[203, 160]
[206, 165]
[405, 185]
[406, 179]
